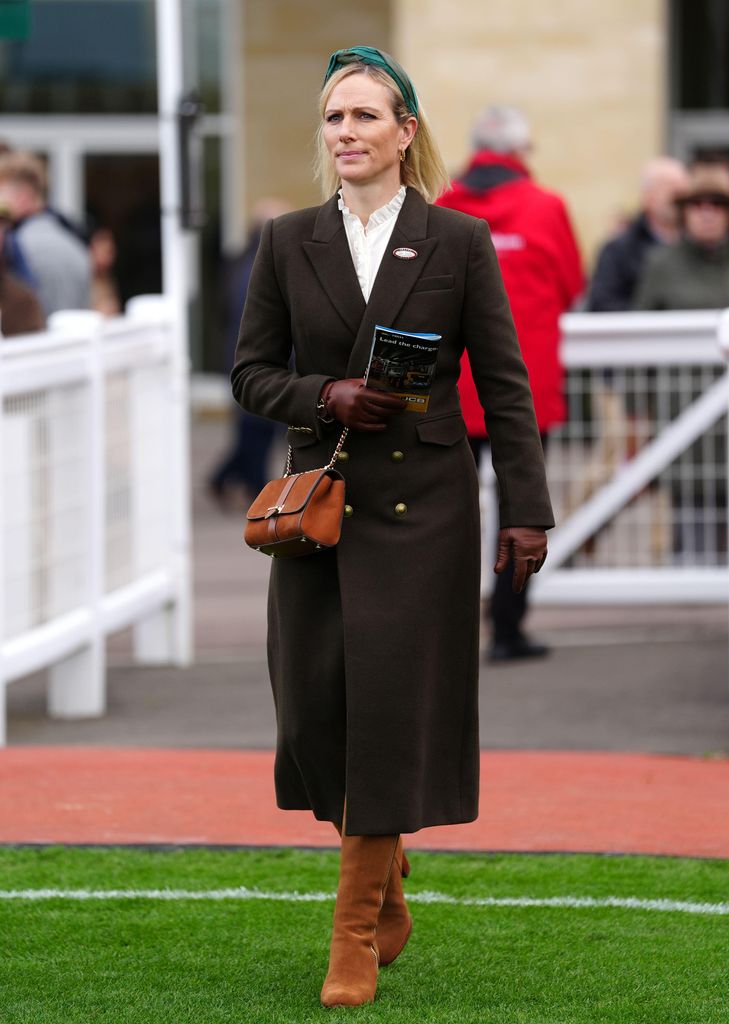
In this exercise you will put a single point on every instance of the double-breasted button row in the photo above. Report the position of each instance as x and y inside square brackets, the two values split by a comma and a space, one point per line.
[396, 456]
[400, 510]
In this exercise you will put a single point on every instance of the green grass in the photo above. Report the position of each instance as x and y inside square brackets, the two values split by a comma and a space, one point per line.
[153, 962]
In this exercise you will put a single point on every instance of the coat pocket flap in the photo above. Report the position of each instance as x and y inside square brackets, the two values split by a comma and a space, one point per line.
[289, 494]
[443, 430]
[435, 284]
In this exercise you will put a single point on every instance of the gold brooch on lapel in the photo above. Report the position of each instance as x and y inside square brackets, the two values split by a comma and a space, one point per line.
[404, 253]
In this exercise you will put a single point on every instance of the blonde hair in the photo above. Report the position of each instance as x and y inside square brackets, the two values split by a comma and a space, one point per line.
[26, 169]
[422, 169]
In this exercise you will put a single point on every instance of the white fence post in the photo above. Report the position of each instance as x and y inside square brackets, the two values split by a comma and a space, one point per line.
[77, 683]
[177, 248]
[165, 636]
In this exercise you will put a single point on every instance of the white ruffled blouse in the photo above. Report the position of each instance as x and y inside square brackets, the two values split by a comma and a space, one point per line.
[368, 244]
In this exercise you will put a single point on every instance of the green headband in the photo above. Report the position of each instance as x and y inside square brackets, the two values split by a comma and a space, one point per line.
[369, 55]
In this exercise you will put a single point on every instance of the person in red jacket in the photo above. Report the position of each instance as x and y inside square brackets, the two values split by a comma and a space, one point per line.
[542, 271]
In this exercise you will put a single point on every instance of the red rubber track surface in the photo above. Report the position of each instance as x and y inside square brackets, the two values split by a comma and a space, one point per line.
[530, 801]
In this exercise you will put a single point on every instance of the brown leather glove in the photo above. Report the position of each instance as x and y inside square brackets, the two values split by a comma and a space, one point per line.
[527, 545]
[353, 405]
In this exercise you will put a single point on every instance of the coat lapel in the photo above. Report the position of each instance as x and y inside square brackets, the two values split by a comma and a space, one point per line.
[395, 278]
[329, 254]
[330, 257]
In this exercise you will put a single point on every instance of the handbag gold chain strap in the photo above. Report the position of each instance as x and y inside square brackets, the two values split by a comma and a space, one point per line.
[329, 465]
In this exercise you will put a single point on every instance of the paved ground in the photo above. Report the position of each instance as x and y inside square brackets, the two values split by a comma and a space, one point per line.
[665, 696]
[649, 680]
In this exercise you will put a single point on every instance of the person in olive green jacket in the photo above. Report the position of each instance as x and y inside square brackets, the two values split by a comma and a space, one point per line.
[694, 273]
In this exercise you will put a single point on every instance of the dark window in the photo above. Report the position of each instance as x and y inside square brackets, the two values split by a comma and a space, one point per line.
[700, 54]
[82, 56]
[99, 57]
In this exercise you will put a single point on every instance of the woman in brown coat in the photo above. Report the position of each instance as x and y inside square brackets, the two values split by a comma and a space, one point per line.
[373, 645]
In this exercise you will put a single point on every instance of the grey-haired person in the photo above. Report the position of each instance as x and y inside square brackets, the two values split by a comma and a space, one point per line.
[373, 644]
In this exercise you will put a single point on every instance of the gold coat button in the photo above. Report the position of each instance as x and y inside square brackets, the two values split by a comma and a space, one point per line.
[397, 456]
[343, 456]
[348, 511]
[401, 508]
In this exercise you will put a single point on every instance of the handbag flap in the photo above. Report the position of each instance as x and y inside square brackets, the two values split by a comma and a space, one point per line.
[288, 494]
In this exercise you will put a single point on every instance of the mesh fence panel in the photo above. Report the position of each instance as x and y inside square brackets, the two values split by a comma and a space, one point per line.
[46, 469]
[138, 474]
[680, 518]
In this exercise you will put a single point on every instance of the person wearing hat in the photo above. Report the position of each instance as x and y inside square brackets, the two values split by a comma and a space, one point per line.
[693, 273]
[373, 644]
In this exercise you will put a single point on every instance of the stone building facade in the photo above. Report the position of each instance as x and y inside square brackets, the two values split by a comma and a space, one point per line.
[591, 76]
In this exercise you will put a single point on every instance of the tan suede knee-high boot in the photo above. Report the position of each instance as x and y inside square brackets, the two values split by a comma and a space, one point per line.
[394, 924]
[353, 959]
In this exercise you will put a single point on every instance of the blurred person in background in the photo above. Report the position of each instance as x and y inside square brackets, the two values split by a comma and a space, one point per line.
[11, 255]
[57, 259]
[618, 424]
[693, 273]
[620, 261]
[244, 464]
[104, 289]
[20, 311]
[542, 271]
[373, 643]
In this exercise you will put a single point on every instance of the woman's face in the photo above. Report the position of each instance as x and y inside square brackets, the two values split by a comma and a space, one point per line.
[706, 220]
[361, 133]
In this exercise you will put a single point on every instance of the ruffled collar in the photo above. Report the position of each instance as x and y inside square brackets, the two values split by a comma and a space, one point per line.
[381, 216]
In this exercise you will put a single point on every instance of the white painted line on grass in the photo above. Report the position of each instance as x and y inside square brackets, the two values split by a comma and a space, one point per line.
[243, 893]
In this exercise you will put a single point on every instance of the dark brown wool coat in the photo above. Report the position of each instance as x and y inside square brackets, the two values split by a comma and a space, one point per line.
[373, 645]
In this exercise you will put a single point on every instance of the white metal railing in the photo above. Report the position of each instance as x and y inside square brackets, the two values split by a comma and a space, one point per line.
[92, 482]
[638, 473]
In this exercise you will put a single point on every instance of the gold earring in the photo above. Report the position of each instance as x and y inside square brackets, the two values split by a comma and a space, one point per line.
[402, 156]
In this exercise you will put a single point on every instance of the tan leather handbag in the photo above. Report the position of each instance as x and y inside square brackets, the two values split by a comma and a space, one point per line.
[299, 513]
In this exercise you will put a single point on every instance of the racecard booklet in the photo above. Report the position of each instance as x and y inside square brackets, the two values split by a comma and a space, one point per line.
[402, 363]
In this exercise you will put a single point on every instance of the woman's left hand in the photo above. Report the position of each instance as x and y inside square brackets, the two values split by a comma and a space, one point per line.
[527, 545]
